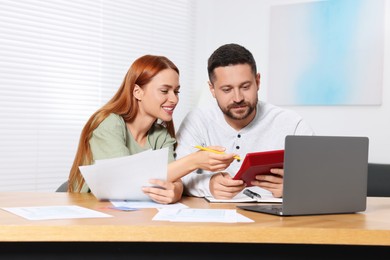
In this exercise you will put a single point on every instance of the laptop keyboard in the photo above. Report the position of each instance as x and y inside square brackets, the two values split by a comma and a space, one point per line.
[276, 209]
[272, 209]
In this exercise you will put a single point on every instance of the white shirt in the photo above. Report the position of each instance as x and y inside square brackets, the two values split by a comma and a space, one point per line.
[206, 126]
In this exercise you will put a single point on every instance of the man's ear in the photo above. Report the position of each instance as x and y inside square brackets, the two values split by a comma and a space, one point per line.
[212, 89]
[258, 81]
[138, 92]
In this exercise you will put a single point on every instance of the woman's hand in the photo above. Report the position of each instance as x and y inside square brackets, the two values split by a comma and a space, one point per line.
[206, 160]
[214, 162]
[166, 192]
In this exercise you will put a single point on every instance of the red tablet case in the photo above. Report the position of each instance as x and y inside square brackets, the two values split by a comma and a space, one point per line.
[259, 163]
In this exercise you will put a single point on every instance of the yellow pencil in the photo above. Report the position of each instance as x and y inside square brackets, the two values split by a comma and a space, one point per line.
[214, 151]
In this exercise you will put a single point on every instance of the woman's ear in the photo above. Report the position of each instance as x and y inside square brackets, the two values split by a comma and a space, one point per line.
[138, 92]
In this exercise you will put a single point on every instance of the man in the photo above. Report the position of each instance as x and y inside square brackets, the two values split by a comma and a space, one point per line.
[238, 122]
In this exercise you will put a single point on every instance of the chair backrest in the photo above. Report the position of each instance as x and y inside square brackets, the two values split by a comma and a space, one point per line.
[63, 187]
[378, 182]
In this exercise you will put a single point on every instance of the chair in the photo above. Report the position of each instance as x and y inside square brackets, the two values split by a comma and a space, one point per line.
[63, 187]
[378, 182]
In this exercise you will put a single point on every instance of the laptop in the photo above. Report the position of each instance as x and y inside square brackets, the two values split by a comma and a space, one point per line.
[322, 175]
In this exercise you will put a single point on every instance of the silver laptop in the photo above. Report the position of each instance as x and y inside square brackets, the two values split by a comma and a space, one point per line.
[322, 175]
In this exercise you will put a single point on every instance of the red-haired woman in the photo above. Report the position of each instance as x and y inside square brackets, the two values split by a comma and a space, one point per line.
[139, 118]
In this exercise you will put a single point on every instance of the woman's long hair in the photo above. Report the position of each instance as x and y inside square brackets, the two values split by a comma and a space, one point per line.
[122, 103]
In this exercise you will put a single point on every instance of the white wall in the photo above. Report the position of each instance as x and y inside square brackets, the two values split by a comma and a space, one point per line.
[246, 22]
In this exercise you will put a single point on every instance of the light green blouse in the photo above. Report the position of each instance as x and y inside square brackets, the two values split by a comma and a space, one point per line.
[112, 139]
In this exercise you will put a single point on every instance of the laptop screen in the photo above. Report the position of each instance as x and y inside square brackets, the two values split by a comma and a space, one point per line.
[324, 175]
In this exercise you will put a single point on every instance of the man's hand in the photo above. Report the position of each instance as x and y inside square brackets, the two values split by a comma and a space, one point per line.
[222, 186]
[272, 182]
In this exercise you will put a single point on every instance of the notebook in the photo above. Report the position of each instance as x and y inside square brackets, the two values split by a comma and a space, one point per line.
[256, 194]
[322, 175]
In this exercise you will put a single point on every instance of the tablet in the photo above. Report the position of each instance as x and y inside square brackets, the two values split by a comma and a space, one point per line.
[259, 163]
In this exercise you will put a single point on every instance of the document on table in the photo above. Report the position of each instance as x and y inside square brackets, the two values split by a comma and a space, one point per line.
[200, 215]
[146, 204]
[264, 196]
[55, 212]
[122, 178]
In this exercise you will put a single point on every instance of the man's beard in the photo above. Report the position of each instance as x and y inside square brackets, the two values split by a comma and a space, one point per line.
[228, 113]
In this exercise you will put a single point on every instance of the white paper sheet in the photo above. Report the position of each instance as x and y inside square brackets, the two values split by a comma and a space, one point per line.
[122, 178]
[201, 215]
[55, 212]
[146, 204]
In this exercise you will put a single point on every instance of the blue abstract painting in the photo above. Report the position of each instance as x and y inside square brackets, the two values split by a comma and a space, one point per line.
[326, 53]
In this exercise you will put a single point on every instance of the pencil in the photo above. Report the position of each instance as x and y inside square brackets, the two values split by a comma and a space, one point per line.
[214, 151]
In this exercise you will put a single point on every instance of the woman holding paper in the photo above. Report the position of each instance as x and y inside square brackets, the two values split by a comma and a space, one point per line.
[137, 118]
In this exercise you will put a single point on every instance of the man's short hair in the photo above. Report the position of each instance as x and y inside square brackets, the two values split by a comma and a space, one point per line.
[230, 54]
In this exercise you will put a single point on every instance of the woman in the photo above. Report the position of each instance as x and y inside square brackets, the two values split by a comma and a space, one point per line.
[130, 123]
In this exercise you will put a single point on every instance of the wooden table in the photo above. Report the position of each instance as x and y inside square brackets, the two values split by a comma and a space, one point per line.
[367, 231]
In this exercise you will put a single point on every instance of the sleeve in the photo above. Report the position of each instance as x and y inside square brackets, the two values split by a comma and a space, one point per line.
[171, 153]
[160, 138]
[303, 128]
[108, 140]
[192, 132]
